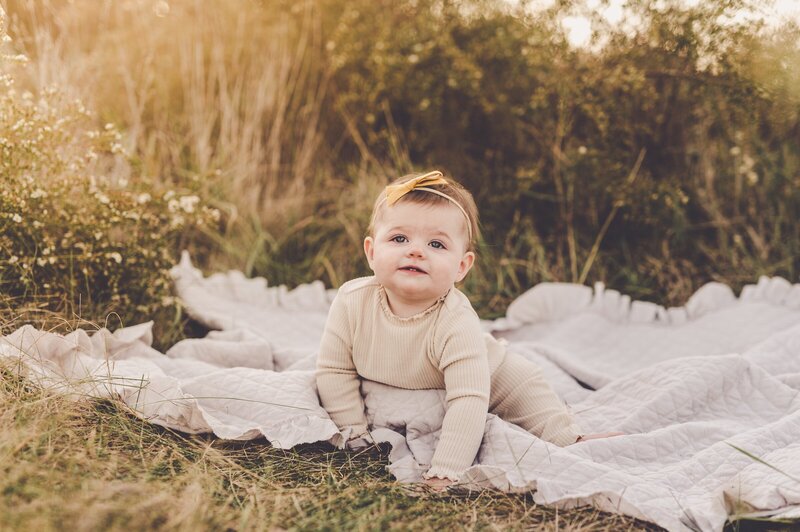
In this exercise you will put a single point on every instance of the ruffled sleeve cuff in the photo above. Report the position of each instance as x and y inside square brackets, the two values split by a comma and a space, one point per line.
[441, 472]
[354, 432]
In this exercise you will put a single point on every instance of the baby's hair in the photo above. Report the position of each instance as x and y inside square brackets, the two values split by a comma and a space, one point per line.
[454, 190]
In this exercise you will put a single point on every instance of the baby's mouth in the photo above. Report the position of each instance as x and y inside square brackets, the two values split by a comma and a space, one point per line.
[413, 269]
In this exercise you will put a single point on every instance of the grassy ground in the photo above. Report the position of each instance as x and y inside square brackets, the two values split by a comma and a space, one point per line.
[89, 465]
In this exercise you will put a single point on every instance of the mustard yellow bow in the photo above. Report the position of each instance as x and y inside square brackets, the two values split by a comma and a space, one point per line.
[395, 192]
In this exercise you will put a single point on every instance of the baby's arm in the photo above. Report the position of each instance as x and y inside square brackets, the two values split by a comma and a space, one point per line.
[337, 379]
[465, 366]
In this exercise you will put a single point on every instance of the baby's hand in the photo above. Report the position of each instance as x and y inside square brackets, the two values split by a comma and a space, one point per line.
[599, 436]
[438, 484]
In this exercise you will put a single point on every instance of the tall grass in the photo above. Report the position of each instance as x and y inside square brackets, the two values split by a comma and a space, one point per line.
[225, 95]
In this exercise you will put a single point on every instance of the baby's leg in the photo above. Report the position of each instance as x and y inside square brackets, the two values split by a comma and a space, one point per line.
[520, 395]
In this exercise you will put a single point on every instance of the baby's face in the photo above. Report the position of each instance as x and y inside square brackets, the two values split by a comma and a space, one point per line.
[419, 251]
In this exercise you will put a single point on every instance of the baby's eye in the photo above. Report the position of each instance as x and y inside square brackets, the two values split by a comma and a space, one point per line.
[437, 244]
[400, 239]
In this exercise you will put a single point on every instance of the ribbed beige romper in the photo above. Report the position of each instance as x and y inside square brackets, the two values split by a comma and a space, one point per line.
[442, 347]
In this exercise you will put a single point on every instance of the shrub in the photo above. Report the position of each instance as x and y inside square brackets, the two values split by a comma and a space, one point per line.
[77, 237]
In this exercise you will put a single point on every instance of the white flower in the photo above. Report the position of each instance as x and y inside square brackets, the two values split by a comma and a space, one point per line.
[38, 193]
[13, 260]
[41, 261]
[188, 203]
[582, 150]
[143, 198]
[17, 218]
[102, 198]
[116, 257]
[413, 59]
[752, 177]
[736, 150]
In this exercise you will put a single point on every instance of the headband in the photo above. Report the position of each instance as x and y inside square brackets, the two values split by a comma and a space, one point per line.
[395, 192]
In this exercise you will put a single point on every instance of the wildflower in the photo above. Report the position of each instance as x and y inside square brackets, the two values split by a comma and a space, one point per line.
[736, 150]
[116, 257]
[143, 198]
[102, 198]
[188, 203]
[752, 177]
[17, 218]
[38, 193]
[41, 261]
[109, 126]
[413, 59]
[13, 260]
[582, 150]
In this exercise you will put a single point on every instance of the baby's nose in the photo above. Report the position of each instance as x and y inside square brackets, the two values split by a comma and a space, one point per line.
[415, 250]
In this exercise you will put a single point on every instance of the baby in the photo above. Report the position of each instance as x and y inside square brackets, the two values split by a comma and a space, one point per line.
[409, 326]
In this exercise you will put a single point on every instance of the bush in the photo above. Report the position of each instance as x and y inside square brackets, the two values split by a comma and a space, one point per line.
[77, 237]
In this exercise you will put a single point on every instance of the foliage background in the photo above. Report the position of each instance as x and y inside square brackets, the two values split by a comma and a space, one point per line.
[654, 160]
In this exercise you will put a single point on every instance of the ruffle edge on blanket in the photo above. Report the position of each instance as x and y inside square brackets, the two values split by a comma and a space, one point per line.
[162, 389]
[251, 291]
[545, 302]
[548, 302]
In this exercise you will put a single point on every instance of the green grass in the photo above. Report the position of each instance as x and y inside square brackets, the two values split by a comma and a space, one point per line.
[88, 465]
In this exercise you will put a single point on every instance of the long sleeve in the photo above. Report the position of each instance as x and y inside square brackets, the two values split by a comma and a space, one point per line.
[338, 383]
[465, 366]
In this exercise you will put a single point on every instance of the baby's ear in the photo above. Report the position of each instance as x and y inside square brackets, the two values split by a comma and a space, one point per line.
[369, 249]
[465, 265]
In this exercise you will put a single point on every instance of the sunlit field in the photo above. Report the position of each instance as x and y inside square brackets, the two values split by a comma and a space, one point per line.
[654, 155]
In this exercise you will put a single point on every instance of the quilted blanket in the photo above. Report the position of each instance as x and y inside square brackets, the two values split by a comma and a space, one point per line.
[708, 395]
